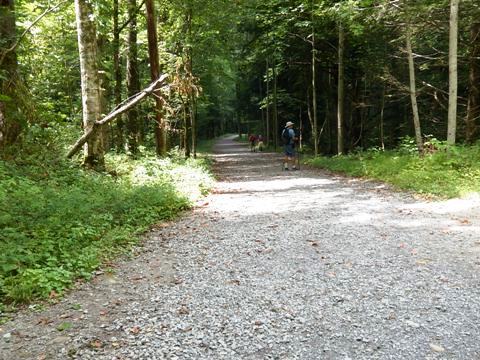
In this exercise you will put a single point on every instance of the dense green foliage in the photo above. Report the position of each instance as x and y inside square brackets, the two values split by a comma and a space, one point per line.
[377, 108]
[444, 172]
[59, 222]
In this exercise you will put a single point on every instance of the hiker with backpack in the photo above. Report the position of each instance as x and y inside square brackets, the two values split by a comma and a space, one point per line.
[288, 139]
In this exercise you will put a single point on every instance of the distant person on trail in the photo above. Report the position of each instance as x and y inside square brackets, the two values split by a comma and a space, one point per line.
[252, 140]
[288, 138]
[260, 144]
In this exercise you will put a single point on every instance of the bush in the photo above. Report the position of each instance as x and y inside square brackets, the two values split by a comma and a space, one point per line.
[60, 222]
[445, 171]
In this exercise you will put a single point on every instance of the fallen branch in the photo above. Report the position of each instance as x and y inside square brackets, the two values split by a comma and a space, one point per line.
[115, 113]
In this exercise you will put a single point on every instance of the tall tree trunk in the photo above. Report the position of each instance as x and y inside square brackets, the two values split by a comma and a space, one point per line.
[117, 75]
[314, 91]
[268, 103]
[188, 128]
[453, 73]
[341, 84]
[9, 126]
[160, 128]
[133, 81]
[87, 45]
[191, 97]
[275, 110]
[194, 126]
[413, 91]
[327, 113]
[262, 115]
[473, 108]
[382, 110]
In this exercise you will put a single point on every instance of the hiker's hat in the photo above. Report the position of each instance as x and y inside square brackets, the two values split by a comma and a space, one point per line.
[289, 123]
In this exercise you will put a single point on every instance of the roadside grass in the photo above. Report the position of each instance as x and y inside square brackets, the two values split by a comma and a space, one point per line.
[447, 172]
[60, 222]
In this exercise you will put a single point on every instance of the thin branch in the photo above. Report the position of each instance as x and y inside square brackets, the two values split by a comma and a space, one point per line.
[14, 46]
[137, 10]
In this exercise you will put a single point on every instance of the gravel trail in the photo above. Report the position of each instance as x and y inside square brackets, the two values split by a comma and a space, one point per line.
[279, 265]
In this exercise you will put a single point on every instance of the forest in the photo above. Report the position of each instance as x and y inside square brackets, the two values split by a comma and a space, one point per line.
[351, 74]
[103, 103]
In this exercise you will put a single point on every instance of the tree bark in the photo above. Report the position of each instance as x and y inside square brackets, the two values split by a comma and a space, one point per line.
[275, 110]
[133, 81]
[413, 91]
[117, 75]
[268, 102]
[453, 73]
[341, 84]
[473, 108]
[160, 131]
[382, 110]
[314, 92]
[9, 127]
[191, 97]
[87, 45]
[188, 128]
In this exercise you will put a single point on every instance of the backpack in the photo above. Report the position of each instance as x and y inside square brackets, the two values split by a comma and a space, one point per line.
[285, 137]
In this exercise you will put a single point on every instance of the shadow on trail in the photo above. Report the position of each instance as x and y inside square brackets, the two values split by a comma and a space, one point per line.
[254, 184]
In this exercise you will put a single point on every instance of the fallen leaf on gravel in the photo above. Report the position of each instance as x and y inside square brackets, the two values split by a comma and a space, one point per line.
[136, 278]
[97, 344]
[183, 310]
[437, 348]
[464, 221]
[44, 321]
[391, 316]
[423, 261]
[135, 330]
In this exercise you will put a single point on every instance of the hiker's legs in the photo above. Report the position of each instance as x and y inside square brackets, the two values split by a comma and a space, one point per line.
[289, 154]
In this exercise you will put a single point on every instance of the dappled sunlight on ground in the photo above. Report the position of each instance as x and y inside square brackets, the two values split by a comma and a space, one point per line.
[253, 185]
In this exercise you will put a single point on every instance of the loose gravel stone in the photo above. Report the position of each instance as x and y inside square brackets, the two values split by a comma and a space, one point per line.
[280, 265]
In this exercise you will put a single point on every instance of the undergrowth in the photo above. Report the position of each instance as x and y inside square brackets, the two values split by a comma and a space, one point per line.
[444, 171]
[59, 222]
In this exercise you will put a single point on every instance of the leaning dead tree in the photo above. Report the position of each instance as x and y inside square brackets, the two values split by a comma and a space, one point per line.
[151, 89]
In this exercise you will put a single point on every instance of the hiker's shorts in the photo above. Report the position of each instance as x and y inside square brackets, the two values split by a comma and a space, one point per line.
[289, 150]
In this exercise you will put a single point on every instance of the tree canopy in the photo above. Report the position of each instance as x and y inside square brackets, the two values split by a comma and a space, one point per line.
[244, 66]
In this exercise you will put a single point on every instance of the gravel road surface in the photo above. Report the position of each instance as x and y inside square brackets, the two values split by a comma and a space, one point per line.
[278, 265]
